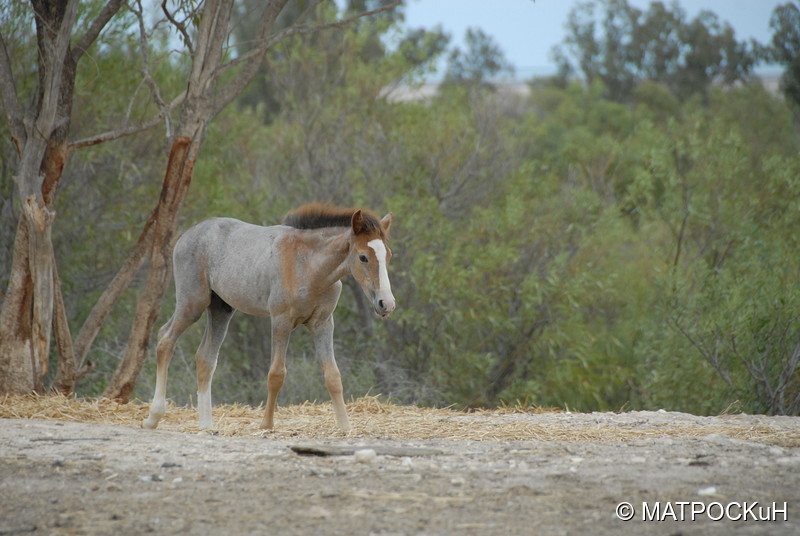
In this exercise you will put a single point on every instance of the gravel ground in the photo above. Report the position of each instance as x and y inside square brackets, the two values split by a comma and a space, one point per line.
[80, 478]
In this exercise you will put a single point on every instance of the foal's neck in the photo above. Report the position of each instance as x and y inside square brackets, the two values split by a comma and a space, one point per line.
[330, 260]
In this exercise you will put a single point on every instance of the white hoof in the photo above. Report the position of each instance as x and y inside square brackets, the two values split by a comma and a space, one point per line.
[150, 423]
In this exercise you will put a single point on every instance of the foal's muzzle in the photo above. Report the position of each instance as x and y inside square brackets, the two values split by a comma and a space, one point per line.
[383, 306]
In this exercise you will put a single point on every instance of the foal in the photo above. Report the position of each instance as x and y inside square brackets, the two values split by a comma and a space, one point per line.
[291, 272]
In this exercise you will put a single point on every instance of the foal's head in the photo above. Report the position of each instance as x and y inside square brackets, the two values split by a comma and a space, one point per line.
[369, 259]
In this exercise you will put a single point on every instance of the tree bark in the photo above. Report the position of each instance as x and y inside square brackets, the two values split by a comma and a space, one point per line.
[176, 183]
[67, 373]
[17, 371]
[40, 260]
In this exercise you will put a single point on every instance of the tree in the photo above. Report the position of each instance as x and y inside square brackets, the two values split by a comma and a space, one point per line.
[785, 23]
[265, 90]
[33, 301]
[482, 61]
[630, 45]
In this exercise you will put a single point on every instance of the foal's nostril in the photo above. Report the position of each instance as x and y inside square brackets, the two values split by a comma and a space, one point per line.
[381, 305]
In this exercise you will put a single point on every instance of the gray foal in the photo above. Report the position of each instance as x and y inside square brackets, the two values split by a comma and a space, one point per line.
[290, 272]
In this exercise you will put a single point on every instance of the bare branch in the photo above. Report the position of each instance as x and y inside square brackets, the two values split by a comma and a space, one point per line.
[146, 76]
[106, 14]
[164, 109]
[180, 26]
[127, 131]
[262, 42]
[253, 58]
[8, 90]
[336, 24]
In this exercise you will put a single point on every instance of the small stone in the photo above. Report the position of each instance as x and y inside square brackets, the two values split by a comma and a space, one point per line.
[705, 492]
[365, 456]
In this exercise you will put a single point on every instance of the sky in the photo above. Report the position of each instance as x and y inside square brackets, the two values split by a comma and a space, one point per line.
[526, 30]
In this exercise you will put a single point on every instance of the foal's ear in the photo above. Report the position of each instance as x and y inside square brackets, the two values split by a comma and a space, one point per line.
[357, 222]
[386, 223]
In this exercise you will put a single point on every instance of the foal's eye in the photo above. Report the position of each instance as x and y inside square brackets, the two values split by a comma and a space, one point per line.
[363, 258]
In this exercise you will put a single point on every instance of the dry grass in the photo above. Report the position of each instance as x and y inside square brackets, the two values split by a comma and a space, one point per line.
[373, 419]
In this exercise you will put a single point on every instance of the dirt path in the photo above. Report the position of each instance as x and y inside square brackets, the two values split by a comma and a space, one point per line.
[80, 478]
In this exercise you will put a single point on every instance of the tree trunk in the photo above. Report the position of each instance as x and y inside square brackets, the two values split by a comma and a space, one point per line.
[197, 112]
[17, 370]
[165, 217]
[40, 260]
[27, 315]
[26, 319]
[67, 373]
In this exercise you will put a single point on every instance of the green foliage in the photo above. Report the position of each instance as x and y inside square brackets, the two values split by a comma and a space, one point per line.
[623, 46]
[785, 49]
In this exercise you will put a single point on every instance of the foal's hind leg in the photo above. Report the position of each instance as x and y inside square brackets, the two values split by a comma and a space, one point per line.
[167, 338]
[219, 316]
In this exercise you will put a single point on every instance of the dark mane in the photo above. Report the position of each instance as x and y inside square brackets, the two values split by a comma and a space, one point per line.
[319, 215]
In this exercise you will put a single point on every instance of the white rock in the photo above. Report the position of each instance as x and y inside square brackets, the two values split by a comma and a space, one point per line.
[705, 492]
[365, 456]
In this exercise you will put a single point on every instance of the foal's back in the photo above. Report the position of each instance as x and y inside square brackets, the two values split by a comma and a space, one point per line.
[238, 261]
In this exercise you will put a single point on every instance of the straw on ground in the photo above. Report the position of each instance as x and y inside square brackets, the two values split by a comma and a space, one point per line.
[373, 418]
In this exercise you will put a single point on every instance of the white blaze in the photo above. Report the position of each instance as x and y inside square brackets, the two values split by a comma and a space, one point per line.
[379, 248]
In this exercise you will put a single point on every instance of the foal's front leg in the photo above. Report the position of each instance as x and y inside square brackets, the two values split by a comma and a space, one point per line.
[322, 333]
[281, 331]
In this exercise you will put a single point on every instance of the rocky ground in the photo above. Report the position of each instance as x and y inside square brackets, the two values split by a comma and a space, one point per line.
[84, 478]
